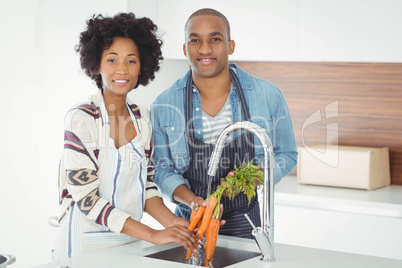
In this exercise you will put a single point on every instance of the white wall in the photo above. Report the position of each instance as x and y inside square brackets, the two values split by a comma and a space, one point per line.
[298, 30]
[41, 79]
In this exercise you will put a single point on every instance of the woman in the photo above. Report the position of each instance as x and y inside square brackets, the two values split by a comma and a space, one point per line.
[106, 174]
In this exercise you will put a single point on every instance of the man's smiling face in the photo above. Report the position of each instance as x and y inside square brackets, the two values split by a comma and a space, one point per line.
[207, 46]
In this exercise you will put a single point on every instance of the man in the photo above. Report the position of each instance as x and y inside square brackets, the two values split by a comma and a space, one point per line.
[188, 117]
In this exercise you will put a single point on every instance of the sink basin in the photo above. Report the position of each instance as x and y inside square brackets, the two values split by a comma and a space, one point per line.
[222, 257]
[229, 251]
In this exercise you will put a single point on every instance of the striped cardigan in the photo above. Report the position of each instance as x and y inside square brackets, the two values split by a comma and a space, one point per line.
[79, 165]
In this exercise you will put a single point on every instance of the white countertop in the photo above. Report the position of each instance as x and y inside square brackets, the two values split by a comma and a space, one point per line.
[286, 256]
[386, 201]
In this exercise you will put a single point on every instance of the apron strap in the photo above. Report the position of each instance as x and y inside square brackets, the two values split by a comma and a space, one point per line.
[240, 95]
[188, 106]
[188, 101]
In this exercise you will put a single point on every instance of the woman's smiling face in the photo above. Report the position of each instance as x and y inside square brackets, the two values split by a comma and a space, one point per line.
[120, 66]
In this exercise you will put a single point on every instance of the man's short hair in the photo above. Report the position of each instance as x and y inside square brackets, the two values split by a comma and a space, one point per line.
[211, 12]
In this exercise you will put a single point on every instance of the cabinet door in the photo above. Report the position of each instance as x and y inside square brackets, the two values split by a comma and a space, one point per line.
[293, 30]
[262, 30]
[339, 231]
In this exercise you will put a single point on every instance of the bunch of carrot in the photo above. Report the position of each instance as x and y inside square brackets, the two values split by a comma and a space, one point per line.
[208, 223]
[206, 219]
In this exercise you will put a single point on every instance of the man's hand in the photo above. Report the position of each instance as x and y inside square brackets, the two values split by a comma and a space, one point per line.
[200, 202]
[232, 174]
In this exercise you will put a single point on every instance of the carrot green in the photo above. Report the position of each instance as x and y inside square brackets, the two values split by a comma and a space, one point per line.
[245, 180]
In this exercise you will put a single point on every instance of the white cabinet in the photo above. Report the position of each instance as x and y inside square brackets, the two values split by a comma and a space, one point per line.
[262, 30]
[345, 220]
[339, 231]
[351, 31]
[291, 30]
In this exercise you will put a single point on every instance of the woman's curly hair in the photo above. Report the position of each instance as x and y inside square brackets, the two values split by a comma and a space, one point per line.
[99, 36]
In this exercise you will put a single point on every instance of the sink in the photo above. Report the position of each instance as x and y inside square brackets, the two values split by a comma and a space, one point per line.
[222, 257]
[229, 251]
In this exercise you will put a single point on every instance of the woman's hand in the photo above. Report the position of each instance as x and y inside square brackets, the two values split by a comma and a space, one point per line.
[181, 222]
[176, 233]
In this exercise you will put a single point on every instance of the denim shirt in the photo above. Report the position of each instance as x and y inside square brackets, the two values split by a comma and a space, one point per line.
[267, 107]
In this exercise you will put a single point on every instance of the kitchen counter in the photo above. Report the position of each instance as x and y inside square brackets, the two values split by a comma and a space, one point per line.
[386, 201]
[300, 210]
[287, 256]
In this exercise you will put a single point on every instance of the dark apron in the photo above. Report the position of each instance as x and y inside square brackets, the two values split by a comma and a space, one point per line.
[234, 154]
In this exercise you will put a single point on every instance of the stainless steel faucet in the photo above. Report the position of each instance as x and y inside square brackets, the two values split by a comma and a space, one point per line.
[264, 235]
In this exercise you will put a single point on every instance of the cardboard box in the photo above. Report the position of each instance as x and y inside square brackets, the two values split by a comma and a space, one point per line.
[344, 166]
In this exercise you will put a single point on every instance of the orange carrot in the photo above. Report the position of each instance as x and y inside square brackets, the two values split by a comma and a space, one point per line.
[196, 218]
[196, 213]
[188, 255]
[211, 235]
[193, 214]
[198, 226]
[207, 215]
